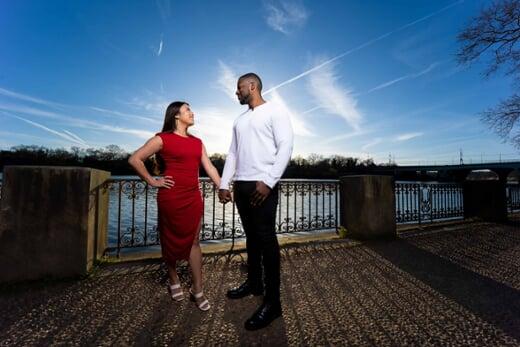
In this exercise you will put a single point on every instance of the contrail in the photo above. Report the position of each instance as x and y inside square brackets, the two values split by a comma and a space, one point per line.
[74, 136]
[52, 131]
[368, 43]
[402, 78]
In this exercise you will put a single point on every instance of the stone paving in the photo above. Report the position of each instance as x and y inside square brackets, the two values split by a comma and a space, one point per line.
[454, 286]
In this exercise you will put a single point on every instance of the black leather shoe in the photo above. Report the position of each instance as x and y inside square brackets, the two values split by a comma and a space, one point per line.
[244, 290]
[265, 314]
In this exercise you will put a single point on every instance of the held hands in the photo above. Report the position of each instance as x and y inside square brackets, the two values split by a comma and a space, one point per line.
[260, 194]
[162, 182]
[224, 196]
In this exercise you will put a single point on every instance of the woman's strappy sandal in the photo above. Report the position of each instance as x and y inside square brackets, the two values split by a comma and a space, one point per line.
[176, 292]
[204, 305]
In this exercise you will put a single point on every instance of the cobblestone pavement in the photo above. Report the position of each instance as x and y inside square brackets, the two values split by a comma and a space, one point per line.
[447, 287]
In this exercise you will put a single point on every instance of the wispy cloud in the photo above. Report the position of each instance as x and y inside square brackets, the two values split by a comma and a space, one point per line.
[23, 97]
[28, 110]
[73, 139]
[37, 139]
[51, 114]
[403, 78]
[164, 7]
[408, 136]
[334, 98]
[153, 103]
[299, 126]
[159, 51]
[144, 134]
[125, 115]
[285, 16]
[214, 126]
[75, 122]
[227, 83]
[366, 44]
[227, 80]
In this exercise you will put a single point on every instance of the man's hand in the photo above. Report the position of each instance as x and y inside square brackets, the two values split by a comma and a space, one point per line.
[224, 196]
[260, 194]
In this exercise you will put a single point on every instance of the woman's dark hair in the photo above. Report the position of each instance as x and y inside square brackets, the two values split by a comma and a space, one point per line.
[169, 126]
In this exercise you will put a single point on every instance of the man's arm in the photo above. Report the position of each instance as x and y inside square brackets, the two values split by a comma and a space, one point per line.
[224, 195]
[283, 137]
[230, 165]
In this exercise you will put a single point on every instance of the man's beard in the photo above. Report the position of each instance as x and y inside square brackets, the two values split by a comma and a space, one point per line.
[244, 100]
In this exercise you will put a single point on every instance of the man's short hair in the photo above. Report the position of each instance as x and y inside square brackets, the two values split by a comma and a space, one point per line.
[252, 75]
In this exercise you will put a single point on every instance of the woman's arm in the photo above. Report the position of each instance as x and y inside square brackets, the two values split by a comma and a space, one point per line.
[137, 159]
[210, 168]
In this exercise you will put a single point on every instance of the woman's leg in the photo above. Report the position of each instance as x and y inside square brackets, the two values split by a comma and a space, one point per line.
[196, 274]
[172, 273]
[174, 288]
[196, 263]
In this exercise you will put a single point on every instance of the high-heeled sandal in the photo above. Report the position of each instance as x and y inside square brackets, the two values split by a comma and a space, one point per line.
[204, 305]
[178, 295]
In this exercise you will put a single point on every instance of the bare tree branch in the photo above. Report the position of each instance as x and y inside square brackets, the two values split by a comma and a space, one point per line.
[495, 35]
[503, 118]
[496, 31]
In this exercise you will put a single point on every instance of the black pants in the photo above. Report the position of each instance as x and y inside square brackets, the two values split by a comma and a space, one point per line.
[261, 242]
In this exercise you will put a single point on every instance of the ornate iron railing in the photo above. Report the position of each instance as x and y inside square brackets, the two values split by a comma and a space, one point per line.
[427, 202]
[303, 205]
[513, 197]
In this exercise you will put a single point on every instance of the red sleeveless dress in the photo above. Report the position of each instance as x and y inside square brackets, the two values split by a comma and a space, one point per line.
[180, 207]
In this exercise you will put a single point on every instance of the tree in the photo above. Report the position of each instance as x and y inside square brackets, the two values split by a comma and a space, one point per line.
[494, 35]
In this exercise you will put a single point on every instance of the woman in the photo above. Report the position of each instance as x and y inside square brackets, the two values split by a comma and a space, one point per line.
[179, 200]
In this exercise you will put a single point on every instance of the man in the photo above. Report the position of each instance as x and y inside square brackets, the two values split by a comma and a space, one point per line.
[260, 149]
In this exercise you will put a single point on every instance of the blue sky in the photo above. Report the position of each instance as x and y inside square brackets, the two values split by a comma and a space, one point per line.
[360, 78]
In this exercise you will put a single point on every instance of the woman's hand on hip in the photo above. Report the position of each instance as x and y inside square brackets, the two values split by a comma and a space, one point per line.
[162, 182]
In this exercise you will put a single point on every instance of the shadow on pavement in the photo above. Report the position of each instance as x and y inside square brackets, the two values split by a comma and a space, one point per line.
[493, 301]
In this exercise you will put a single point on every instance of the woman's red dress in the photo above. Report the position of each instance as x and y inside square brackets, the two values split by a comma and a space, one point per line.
[180, 207]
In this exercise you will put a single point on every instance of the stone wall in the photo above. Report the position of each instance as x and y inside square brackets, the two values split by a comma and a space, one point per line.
[53, 221]
[367, 206]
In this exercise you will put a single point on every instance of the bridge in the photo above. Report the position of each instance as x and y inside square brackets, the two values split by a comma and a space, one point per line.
[459, 172]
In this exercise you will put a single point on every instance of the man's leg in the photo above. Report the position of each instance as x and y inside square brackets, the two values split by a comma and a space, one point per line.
[242, 192]
[264, 219]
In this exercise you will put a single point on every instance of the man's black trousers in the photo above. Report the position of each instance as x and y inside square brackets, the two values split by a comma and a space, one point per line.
[263, 251]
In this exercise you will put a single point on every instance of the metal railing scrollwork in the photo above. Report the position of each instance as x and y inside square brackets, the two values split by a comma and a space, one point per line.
[303, 205]
[427, 202]
[513, 197]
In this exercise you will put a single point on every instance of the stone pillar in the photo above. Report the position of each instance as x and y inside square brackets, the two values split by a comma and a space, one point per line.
[485, 199]
[367, 208]
[53, 221]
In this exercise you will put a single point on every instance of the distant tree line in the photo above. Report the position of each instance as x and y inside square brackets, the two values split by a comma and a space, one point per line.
[114, 159]
[111, 158]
